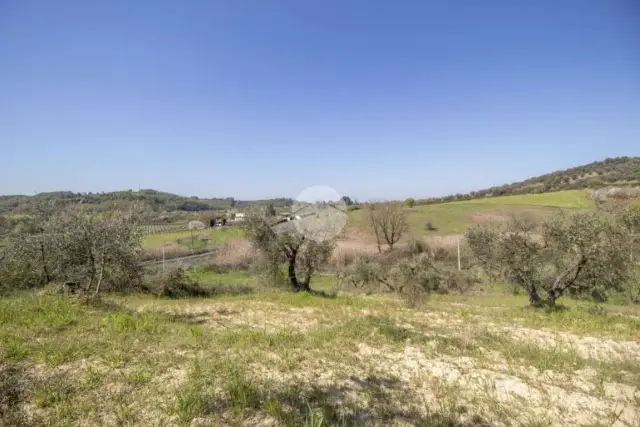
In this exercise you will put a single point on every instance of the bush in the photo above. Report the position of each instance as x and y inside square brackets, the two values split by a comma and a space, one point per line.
[97, 250]
[417, 247]
[415, 296]
[631, 289]
[413, 278]
[176, 284]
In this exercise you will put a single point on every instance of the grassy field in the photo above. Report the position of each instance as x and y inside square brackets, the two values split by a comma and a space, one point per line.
[281, 359]
[215, 234]
[455, 217]
[572, 199]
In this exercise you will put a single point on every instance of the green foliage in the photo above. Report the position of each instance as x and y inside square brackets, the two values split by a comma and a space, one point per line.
[414, 277]
[156, 201]
[410, 202]
[595, 183]
[283, 244]
[177, 284]
[579, 253]
[87, 250]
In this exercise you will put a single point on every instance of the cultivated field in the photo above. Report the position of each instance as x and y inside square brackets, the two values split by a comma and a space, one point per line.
[282, 359]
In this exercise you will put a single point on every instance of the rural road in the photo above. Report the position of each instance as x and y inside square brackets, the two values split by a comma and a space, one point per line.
[177, 259]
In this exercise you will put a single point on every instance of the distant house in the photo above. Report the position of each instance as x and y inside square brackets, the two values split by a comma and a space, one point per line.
[239, 216]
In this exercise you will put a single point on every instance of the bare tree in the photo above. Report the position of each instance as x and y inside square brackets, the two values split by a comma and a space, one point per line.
[575, 253]
[283, 244]
[388, 222]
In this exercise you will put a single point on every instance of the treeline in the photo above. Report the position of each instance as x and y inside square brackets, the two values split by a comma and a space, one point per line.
[619, 171]
[156, 201]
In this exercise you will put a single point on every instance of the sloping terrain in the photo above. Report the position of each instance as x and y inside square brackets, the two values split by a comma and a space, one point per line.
[611, 171]
[292, 360]
[456, 217]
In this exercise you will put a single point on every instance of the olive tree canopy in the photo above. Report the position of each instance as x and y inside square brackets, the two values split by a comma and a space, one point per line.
[584, 252]
[284, 244]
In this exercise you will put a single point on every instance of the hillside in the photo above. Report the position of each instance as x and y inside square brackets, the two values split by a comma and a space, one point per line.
[615, 171]
[157, 201]
[456, 217]
[618, 171]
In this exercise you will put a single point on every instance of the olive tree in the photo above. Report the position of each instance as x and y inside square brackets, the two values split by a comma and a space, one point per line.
[283, 244]
[91, 250]
[570, 253]
[413, 278]
[630, 217]
[388, 222]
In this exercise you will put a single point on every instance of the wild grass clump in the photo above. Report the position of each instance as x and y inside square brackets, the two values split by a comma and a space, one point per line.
[176, 284]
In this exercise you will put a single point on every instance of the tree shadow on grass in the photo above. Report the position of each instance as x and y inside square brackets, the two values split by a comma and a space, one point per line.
[334, 405]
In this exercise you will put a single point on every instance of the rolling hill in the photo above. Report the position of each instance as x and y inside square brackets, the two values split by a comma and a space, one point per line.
[456, 217]
[158, 201]
[619, 171]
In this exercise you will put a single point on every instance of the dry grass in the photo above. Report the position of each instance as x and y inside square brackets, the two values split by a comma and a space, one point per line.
[235, 253]
[279, 359]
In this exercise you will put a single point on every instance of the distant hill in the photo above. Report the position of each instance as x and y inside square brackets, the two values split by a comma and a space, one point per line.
[158, 201]
[619, 171]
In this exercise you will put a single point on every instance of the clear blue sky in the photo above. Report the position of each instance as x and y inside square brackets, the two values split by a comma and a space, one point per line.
[263, 98]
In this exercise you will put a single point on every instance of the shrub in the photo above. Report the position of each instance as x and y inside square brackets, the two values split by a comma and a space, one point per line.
[96, 250]
[417, 247]
[413, 278]
[176, 284]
